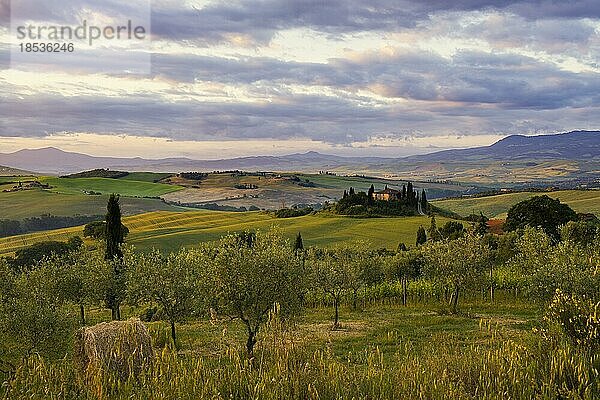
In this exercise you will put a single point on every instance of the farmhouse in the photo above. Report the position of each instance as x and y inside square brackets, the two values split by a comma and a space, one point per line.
[387, 194]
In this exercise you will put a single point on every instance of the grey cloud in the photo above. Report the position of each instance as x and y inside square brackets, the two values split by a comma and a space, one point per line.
[188, 68]
[554, 36]
[4, 12]
[332, 120]
[506, 80]
[472, 92]
[307, 116]
[260, 19]
[69, 11]
[540, 9]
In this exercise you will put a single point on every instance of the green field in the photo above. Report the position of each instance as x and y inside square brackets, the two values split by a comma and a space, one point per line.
[169, 231]
[124, 187]
[30, 203]
[273, 191]
[5, 179]
[67, 197]
[362, 183]
[587, 201]
[145, 176]
[168, 228]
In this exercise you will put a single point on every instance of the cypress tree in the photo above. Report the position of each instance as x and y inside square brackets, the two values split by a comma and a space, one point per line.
[434, 233]
[410, 194]
[371, 193]
[421, 236]
[114, 232]
[424, 201]
[351, 191]
[482, 228]
[113, 254]
[298, 245]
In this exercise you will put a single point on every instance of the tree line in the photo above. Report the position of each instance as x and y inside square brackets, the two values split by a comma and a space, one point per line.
[10, 227]
[404, 202]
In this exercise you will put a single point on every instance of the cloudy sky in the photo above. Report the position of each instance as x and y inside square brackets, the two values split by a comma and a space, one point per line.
[231, 78]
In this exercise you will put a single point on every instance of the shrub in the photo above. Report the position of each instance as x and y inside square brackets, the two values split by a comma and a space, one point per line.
[293, 212]
[540, 211]
[577, 318]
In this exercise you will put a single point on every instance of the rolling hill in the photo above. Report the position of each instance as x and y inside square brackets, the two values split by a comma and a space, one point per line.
[517, 158]
[145, 191]
[576, 145]
[31, 203]
[10, 172]
[585, 201]
[123, 187]
[169, 231]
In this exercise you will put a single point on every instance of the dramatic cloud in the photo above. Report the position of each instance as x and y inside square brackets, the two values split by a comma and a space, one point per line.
[336, 72]
[261, 19]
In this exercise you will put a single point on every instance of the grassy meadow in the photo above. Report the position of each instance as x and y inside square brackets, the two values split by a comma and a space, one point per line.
[146, 176]
[124, 187]
[168, 230]
[381, 351]
[30, 203]
[585, 201]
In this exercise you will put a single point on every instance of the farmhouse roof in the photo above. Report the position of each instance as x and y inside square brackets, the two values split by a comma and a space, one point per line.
[387, 191]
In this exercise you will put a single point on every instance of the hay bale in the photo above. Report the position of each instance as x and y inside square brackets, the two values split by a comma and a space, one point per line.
[119, 347]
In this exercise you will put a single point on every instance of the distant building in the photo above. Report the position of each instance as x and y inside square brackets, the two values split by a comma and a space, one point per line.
[387, 194]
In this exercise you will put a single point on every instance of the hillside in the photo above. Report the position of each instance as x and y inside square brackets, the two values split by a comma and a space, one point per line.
[576, 145]
[171, 230]
[130, 176]
[274, 191]
[9, 171]
[497, 206]
[140, 192]
[123, 187]
[25, 204]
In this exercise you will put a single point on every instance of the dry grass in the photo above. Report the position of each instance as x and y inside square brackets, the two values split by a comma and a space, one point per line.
[122, 348]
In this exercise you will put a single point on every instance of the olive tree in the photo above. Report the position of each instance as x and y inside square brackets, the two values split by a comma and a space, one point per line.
[582, 233]
[459, 263]
[336, 271]
[32, 319]
[568, 266]
[73, 279]
[171, 281]
[247, 279]
[330, 275]
[403, 266]
[364, 268]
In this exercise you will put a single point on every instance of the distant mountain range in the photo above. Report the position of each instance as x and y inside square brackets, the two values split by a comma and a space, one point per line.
[577, 145]
[578, 148]
[56, 161]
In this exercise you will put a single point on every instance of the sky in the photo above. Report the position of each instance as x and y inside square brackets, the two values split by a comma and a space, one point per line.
[216, 79]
